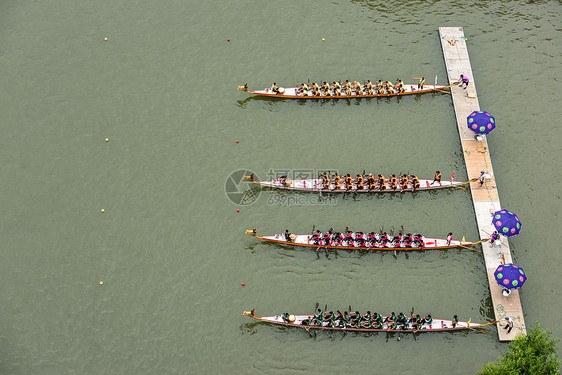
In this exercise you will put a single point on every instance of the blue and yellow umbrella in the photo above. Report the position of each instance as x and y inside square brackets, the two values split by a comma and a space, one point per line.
[481, 122]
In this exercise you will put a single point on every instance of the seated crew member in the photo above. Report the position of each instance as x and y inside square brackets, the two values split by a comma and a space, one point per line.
[287, 235]
[415, 182]
[427, 320]
[437, 178]
[401, 88]
[366, 317]
[285, 317]
[419, 240]
[317, 237]
[359, 182]
[393, 182]
[391, 318]
[404, 182]
[327, 239]
[338, 239]
[389, 88]
[274, 88]
[417, 323]
[449, 238]
[401, 319]
[455, 321]
[325, 181]
[348, 182]
[371, 182]
[282, 179]
[382, 182]
[337, 181]
[397, 85]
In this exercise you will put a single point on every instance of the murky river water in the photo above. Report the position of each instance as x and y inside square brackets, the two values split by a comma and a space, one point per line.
[169, 246]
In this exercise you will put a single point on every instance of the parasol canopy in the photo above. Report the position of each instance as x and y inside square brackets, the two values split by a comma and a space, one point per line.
[506, 223]
[481, 122]
[510, 276]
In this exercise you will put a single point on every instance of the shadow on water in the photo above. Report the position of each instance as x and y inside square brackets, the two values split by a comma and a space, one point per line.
[331, 101]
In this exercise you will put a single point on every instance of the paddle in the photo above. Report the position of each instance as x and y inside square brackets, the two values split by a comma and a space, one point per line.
[468, 248]
[317, 252]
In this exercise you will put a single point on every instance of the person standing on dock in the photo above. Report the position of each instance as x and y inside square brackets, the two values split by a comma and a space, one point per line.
[463, 80]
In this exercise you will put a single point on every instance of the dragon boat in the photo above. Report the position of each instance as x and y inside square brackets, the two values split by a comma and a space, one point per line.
[316, 185]
[310, 322]
[366, 242]
[293, 92]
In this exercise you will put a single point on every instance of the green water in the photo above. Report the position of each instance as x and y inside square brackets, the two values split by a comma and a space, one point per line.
[170, 247]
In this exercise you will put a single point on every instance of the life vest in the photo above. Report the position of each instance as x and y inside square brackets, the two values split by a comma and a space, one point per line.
[438, 176]
[422, 82]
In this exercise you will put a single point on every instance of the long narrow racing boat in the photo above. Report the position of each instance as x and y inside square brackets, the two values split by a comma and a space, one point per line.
[364, 241]
[295, 93]
[366, 324]
[317, 185]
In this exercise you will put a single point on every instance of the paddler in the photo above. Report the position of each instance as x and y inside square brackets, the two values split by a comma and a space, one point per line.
[427, 320]
[415, 182]
[455, 321]
[404, 182]
[391, 318]
[274, 88]
[401, 88]
[437, 178]
[449, 238]
[348, 182]
[337, 182]
[371, 182]
[382, 183]
[393, 182]
[359, 182]
[287, 235]
[389, 88]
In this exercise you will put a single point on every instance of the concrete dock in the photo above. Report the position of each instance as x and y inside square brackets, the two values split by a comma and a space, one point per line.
[484, 196]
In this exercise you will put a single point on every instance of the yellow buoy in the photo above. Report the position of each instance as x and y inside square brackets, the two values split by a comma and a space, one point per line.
[323, 39]
[101, 282]
[105, 39]
[107, 139]
[102, 210]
